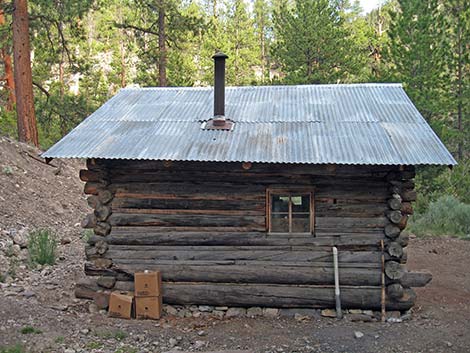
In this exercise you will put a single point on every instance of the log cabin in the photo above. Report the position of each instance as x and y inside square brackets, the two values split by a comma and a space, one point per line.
[240, 201]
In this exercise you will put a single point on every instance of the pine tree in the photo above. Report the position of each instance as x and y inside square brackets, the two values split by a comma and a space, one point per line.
[262, 21]
[457, 19]
[311, 42]
[242, 52]
[417, 53]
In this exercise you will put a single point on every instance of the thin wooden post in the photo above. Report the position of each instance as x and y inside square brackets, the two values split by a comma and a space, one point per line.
[383, 281]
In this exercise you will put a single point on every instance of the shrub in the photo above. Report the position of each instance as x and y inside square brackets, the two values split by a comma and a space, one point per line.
[445, 216]
[42, 247]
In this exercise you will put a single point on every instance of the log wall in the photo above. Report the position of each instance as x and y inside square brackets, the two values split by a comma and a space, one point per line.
[204, 226]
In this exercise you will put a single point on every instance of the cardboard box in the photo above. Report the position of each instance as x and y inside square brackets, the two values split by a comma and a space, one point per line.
[148, 284]
[121, 304]
[148, 307]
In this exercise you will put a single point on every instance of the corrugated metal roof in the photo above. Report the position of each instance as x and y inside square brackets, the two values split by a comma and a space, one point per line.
[341, 124]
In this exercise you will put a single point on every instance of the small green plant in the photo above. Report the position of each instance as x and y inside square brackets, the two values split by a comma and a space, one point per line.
[30, 329]
[94, 345]
[59, 339]
[120, 335]
[42, 247]
[13, 349]
[86, 235]
[445, 216]
[3, 277]
[7, 170]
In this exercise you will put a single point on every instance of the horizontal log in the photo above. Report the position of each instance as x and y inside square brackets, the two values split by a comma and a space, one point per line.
[416, 279]
[125, 219]
[157, 236]
[271, 295]
[257, 272]
[264, 178]
[224, 253]
[177, 272]
[350, 222]
[177, 204]
[190, 212]
[322, 169]
[180, 189]
[357, 210]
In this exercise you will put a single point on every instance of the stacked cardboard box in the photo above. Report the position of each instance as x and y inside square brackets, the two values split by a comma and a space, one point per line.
[121, 305]
[148, 295]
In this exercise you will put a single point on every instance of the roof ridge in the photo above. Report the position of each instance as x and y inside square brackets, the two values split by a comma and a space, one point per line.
[365, 84]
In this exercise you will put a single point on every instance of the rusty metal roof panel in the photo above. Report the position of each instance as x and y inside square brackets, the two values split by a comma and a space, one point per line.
[342, 124]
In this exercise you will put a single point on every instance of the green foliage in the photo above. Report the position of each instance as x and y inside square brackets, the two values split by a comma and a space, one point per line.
[94, 345]
[42, 247]
[434, 181]
[30, 330]
[14, 349]
[8, 123]
[86, 235]
[445, 216]
[59, 339]
[120, 335]
[7, 170]
[312, 44]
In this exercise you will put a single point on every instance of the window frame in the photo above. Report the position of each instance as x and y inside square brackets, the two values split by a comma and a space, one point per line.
[270, 192]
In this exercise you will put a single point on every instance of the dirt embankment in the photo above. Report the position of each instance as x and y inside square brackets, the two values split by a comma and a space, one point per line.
[36, 195]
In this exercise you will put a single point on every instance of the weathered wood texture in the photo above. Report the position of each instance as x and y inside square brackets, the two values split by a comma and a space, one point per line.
[204, 225]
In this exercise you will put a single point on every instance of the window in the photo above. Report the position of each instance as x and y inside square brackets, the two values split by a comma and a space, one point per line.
[290, 211]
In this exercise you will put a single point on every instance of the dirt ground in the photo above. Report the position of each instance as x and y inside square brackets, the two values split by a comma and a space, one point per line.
[33, 195]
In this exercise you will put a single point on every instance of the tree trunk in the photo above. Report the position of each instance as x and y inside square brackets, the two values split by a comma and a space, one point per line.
[161, 45]
[26, 118]
[8, 78]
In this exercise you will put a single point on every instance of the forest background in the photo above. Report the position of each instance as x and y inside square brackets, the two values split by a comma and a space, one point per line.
[84, 51]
